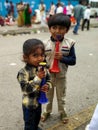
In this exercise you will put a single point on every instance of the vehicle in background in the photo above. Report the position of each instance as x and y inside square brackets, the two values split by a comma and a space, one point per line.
[94, 7]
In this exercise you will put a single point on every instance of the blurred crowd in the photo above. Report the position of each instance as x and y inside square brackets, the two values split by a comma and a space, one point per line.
[26, 16]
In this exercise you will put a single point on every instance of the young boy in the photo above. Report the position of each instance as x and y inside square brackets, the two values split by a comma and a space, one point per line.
[59, 25]
[30, 78]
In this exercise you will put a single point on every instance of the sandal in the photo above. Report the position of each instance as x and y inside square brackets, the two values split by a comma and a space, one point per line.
[64, 118]
[45, 116]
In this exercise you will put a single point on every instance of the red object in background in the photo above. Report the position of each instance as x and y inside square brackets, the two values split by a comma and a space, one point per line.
[30, 10]
[1, 21]
[73, 20]
[47, 18]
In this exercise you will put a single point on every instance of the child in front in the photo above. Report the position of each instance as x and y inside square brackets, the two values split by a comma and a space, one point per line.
[30, 78]
[59, 25]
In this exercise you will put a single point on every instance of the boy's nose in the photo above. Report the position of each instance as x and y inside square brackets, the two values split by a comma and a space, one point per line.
[57, 30]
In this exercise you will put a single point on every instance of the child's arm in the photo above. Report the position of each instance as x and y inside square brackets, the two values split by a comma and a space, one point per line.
[28, 86]
[71, 58]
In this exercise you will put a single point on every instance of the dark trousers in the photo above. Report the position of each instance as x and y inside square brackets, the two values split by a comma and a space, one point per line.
[31, 117]
[84, 22]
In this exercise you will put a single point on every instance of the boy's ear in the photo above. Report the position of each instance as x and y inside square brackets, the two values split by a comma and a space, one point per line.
[49, 29]
[25, 58]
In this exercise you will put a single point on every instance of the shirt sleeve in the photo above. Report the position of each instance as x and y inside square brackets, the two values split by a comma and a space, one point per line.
[71, 58]
[28, 86]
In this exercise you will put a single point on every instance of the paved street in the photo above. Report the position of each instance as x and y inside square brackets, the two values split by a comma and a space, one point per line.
[82, 86]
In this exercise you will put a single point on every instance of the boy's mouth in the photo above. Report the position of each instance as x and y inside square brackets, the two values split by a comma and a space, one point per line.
[58, 36]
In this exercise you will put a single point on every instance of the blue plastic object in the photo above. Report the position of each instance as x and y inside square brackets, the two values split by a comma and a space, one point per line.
[43, 99]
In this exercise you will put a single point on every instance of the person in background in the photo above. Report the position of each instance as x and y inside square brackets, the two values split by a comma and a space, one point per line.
[59, 8]
[69, 9]
[37, 16]
[42, 8]
[27, 15]
[30, 78]
[2, 21]
[59, 25]
[7, 7]
[52, 9]
[9, 20]
[11, 11]
[86, 18]
[64, 10]
[78, 14]
[20, 10]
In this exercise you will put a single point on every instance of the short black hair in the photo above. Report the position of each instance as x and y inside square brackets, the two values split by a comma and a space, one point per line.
[59, 19]
[31, 45]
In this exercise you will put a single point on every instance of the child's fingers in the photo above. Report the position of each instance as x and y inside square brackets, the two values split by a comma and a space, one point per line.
[41, 74]
[45, 88]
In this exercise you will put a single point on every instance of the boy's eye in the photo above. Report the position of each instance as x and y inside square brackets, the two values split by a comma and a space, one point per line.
[59, 27]
[54, 27]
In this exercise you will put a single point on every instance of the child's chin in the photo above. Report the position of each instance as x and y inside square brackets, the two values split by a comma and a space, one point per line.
[58, 37]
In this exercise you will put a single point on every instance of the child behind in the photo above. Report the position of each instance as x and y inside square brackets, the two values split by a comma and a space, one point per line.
[30, 78]
[59, 25]
[86, 18]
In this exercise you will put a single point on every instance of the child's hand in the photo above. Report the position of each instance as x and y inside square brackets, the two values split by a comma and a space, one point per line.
[58, 55]
[41, 74]
[44, 88]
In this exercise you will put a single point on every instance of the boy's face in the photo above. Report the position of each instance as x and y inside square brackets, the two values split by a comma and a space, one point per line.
[58, 30]
[36, 57]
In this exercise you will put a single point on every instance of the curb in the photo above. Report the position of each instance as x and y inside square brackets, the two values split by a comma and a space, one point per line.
[76, 122]
[33, 30]
[24, 31]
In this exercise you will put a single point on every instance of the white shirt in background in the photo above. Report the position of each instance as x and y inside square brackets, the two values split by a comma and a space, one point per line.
[69, 9]
[52, 10]
[87, 13]
[59, 10]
